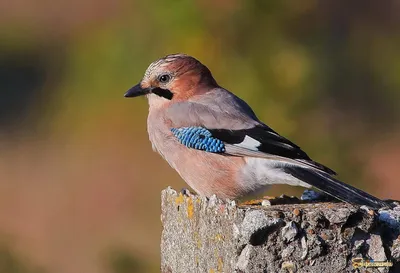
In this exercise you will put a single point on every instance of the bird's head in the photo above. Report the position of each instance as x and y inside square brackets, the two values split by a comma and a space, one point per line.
[175, 77]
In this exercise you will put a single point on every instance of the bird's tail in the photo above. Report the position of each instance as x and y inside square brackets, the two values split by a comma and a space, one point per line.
[342, 191]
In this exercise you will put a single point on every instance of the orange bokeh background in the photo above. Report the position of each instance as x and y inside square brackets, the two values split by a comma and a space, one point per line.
[79, 183]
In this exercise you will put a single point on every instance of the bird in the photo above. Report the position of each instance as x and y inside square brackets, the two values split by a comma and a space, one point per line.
[217, 144]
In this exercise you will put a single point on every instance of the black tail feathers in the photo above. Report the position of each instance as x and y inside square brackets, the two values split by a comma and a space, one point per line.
[342, 191]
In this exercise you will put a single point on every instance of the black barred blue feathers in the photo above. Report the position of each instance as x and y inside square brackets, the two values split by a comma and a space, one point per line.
[198, 138]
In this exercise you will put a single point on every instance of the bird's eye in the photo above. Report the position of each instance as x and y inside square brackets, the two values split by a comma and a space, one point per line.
[164, 78]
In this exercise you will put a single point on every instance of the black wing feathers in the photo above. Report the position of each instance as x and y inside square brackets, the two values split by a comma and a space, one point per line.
[270, 143]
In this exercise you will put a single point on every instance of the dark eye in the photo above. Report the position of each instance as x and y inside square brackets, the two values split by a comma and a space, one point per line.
[164, 78]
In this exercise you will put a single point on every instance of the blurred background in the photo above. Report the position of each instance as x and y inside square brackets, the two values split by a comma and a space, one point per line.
[79, 183]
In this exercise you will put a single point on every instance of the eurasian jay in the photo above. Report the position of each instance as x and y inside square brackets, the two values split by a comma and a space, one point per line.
[215, 142]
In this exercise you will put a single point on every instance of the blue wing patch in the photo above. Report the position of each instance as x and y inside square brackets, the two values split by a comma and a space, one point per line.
[198, 138]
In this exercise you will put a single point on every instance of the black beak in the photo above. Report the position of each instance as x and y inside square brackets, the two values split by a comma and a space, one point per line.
[136, 91]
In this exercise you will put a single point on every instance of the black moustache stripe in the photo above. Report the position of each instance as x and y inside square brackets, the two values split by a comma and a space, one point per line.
[165, 93]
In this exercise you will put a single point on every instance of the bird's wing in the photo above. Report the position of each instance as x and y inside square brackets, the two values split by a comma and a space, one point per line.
[236, 131]
[262, 141]
[232, 121]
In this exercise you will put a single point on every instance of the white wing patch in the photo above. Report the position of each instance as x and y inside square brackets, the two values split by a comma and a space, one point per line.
[249, 143]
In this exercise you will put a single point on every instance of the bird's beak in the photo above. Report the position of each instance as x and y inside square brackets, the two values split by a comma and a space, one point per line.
[137, 91]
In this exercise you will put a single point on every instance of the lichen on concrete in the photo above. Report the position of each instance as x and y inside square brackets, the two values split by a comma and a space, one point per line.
[212, 235]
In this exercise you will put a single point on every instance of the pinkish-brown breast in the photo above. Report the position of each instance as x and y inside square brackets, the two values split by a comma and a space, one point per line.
[207, 173]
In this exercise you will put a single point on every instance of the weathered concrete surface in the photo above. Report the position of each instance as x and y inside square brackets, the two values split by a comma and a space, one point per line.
[201, 235]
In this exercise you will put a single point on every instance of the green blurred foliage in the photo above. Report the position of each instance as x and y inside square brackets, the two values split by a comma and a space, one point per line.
[121, 261]
[10, 262]
[75, 157]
